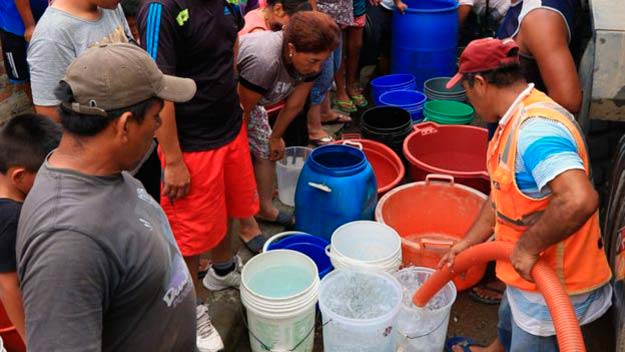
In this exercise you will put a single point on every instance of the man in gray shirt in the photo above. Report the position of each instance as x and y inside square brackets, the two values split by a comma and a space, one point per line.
[66, 29]
[98, 265]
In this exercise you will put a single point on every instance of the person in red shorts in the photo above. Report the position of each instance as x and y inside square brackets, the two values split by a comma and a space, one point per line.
[208, 178]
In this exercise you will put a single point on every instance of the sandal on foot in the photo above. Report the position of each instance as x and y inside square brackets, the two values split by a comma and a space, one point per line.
[285, 219]
[346, 106]
[321, 141]
[338, 119]
[255, 245]
[495, 298]
[359, 101]
[460, 341]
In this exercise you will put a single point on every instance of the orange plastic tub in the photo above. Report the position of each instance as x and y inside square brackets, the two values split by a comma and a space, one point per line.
[11, 339]
[431, 216]
[387, 166]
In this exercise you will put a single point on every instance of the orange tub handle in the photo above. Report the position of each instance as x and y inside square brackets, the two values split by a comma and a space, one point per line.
[425, 128]
[568, 333]
[439, 177]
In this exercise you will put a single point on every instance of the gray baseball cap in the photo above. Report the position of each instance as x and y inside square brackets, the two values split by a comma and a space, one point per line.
[114, 76]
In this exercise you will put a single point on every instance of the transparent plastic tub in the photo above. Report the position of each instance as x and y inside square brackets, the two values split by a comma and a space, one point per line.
[287, 173]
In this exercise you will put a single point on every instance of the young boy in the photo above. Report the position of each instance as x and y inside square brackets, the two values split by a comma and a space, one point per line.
[25, 140]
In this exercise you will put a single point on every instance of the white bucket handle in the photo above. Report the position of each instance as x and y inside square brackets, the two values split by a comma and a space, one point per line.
[348, 260]
[320, 187]
[267, 348]
[353, 144]
[278, 236]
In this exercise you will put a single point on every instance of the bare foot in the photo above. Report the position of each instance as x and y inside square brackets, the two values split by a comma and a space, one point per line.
[335, 117]
[489, 293]
[495, 346]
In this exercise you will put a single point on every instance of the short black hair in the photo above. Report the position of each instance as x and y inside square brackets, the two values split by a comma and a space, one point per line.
[501, 77]
[26, 140]
[90, 125]
[131, 7]
[291, 6]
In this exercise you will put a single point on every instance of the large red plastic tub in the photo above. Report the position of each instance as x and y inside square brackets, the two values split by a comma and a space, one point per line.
[387, 166]
[430, 217]
[456, 150]
[11, 339]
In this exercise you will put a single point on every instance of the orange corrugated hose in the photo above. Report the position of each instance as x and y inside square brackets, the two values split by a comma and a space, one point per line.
[567, 328]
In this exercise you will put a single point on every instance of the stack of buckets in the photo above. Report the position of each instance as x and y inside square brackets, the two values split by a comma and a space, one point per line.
[435, 89]
[409, 100]
[448, 112]
[383, 84]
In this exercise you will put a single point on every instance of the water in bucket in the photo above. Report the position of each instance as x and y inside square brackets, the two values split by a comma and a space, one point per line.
[359, 310]
[279, 290]
[287, 173]
[422, 329]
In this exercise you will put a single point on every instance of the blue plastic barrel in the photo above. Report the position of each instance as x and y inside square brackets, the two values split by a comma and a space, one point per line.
[409, 100]
[312, 246]
[424, 39]
[336, 186]
[387, 83]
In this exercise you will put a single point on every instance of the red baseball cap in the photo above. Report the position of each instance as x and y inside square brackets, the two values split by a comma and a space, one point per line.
[484, 55]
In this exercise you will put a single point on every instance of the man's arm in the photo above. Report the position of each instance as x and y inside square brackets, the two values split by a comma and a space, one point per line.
[11, 298]
[552, 54]
[23, 7]
[294, 104]
[65, 279]
[162, 47]
[573, 201]
[479, 232]
[248, 99]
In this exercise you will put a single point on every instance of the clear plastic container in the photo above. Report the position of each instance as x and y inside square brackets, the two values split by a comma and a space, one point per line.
[287, 173]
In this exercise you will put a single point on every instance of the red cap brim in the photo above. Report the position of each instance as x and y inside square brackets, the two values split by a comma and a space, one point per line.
[454, 80]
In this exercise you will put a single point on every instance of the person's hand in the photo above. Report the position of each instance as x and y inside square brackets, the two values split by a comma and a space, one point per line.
[401, 7]
[448, 258]
[177, 180]
[276, 148]
[523, 261]
[28, 33]
[374, 2]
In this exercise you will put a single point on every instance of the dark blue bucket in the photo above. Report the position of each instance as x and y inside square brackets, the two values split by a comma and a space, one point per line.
[409, 100]
[387, 83]
[312, 246]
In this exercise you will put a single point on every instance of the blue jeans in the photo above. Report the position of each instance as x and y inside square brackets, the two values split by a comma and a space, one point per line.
[515, 339]
[324, 81]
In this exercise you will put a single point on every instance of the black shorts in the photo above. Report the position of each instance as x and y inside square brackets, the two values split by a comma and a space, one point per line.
[14, 55]
[377, 35]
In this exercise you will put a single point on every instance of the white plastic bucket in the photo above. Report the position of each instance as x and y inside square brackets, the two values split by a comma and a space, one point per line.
[359, 310]
[423, 329]
[280, 289]
[365, 245]
[287, 173]
[2, 346]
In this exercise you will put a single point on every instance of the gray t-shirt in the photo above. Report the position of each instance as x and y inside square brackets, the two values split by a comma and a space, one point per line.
[99, 268]
[59, 38]
[262, 68]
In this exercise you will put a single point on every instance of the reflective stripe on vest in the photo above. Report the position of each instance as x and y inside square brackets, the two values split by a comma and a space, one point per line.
[579, 260]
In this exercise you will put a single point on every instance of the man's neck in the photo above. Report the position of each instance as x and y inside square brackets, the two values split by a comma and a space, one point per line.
[81, 8]
[84, 156]
[504, 98]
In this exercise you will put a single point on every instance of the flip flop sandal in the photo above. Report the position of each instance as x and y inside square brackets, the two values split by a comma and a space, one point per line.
[486, 300]
[346, 106]
[321, 141]
[359, 101]
[255, 245]
[460, 341]
[338, 119]
[284, 218]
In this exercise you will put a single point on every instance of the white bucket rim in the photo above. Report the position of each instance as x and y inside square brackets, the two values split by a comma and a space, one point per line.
[363, 322]
[276, 252]
[368, 222]
[281, 314]
[277, 304]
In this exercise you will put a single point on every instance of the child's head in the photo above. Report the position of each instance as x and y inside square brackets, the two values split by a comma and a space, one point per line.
[25, 141]
[279, 12]
[131, 8]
